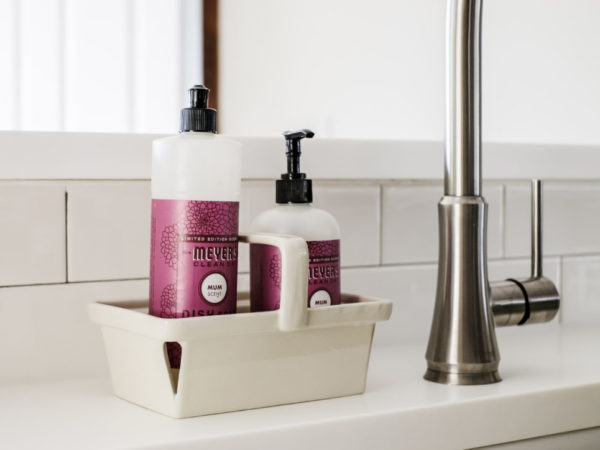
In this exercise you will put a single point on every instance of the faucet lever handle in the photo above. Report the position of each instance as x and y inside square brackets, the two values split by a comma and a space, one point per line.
[536, 228]
[517, 301]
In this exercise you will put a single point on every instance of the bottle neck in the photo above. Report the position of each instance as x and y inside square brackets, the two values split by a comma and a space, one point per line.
[295, 205]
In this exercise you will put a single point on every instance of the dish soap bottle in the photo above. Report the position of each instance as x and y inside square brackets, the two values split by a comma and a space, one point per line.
[196, 183]
[295, 215]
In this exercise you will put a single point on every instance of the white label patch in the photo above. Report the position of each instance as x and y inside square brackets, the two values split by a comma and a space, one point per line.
[214, 288]
[320, 298]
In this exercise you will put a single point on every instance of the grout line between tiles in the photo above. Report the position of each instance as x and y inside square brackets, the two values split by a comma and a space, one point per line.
[332, 181]
[515, 259]
[66, 235]
[560, 255]
[112, 280]
[392, 265]
[116, 280]
[380, 217]
[374, 267]
[503, 221]
[560, 273]
[560, 290]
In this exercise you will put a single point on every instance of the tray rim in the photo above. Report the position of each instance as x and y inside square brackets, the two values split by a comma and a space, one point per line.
[125, 315]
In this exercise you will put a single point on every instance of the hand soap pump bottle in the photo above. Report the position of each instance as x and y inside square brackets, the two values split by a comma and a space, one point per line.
[196, 183]
[295, 215]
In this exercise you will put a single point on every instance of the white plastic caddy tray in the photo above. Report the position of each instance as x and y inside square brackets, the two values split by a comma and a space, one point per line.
[244, 360]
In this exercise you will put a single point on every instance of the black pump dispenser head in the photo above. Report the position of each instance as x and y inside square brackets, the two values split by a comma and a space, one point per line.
[198, 117]
[294, 187]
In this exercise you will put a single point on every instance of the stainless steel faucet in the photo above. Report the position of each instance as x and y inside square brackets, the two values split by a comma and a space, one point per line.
[462, 345]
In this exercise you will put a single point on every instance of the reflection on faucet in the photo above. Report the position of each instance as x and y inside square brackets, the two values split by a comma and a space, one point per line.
[462, 345]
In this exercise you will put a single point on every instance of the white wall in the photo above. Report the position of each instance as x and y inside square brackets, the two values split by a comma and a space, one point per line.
[97, 65]
[349, 68]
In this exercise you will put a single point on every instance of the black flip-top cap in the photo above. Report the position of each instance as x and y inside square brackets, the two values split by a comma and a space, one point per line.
[198, 117]
[293, 191]
[294, 187]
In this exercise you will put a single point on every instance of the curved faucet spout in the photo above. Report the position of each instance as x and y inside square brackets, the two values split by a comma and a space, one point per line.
[462, 345]
[463, 102]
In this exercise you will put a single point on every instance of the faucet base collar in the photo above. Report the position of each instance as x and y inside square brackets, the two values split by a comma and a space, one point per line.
[472, 378]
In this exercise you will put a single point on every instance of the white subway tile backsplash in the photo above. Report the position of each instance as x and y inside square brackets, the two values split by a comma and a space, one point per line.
[410, 222]
[107, 238]
[257, 196]
[571, 218]
[243, 282]
[32, 237]
[46, 334]
[108, 230]
[521, 268]
[355, 207]
[243, 258]
[581, 290]
[412, 288]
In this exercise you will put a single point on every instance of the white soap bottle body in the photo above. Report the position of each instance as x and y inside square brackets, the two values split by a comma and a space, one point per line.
[322, 234]
[196, 183]
[196, 166]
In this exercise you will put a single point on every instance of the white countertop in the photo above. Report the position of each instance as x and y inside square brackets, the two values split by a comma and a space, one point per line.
[551, 385]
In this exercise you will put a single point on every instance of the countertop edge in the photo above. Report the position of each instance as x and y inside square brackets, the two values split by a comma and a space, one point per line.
[407, 426]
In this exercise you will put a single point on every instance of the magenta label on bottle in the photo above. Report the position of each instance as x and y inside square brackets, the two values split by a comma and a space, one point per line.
[194, 252]
[323, 275]
[265, 277]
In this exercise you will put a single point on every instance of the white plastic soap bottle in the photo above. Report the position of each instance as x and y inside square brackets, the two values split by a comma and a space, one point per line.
[295, 215]
[196, 183]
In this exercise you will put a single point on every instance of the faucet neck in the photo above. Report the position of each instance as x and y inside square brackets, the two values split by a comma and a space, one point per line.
[463, 99]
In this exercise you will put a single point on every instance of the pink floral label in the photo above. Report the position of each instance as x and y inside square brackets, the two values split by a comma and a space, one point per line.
[265, 277]
[323, 275]
[194, 252]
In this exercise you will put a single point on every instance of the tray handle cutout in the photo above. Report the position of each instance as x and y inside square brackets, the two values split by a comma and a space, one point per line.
[294, 277]
[172, 371]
